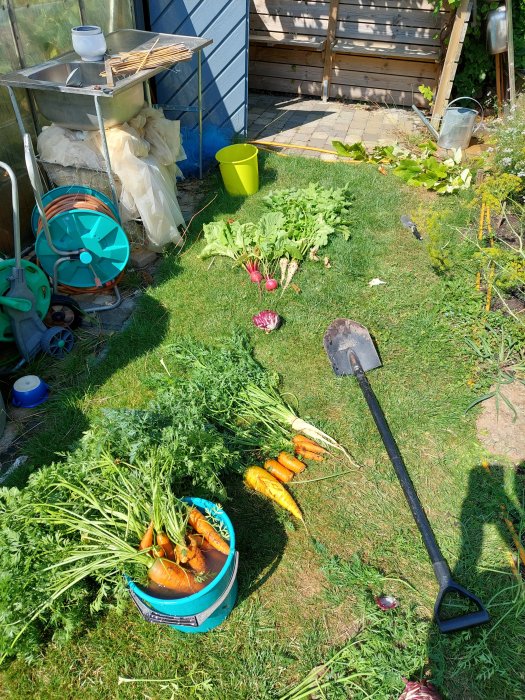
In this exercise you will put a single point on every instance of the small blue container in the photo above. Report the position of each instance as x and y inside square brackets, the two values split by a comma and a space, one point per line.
[202, 611]
[29, 391]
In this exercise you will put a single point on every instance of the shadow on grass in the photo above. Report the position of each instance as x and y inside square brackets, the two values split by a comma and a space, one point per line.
[80, 375]
[486, 662]
[260, 536]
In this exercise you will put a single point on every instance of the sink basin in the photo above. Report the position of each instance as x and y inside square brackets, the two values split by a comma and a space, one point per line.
[73, 73]
[64, 88]
[77, 111]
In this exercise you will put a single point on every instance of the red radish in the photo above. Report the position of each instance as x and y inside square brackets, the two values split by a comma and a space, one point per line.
[271, 283]
[252, 268]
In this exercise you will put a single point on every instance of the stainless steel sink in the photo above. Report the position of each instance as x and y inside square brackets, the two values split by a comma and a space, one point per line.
[73, 73]
[77, 111]
[64, 88]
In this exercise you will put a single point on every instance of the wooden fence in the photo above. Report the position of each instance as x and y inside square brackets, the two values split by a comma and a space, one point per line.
[373, 50]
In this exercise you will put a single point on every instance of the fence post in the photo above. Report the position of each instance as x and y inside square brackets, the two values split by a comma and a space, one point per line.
[330, 36]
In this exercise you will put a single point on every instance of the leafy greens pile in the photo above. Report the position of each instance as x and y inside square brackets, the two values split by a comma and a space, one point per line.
[419, 170]
[298, 220]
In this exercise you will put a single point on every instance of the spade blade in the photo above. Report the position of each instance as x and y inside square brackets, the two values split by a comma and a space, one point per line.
[344, 335]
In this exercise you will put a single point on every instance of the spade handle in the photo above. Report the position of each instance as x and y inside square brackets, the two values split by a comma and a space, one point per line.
[397, 461]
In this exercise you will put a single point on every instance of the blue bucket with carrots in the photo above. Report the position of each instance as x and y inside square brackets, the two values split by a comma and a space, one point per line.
[202, 611]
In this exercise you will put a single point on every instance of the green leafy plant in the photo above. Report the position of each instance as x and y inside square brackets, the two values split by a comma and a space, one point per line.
[508, 138]
[419, 170]
[501, 362]
[427, 93]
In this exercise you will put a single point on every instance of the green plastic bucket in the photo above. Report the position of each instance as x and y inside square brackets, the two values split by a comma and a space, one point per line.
[201, 611]
[239, 168]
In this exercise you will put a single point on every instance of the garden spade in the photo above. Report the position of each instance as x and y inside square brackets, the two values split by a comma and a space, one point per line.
[351, 351]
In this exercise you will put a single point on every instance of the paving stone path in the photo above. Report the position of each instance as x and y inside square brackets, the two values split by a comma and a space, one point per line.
[306, 121]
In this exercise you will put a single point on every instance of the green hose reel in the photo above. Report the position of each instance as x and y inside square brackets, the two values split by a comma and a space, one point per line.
[38, 284]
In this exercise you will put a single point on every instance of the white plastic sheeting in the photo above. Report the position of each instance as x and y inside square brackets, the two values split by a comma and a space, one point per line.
[144, 155]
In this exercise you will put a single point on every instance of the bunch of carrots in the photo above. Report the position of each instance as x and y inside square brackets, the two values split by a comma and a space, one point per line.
[269, 481]
[181, 567]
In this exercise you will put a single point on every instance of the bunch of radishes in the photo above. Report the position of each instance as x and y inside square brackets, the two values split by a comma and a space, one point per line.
[288, 269]
[256, 276]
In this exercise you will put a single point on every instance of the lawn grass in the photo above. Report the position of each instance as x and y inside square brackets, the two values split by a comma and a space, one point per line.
[291, 615]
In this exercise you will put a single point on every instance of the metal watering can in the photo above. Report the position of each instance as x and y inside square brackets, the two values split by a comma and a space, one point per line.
[457, 124]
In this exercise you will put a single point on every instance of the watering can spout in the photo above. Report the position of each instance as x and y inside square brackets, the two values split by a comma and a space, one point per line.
[426, 122]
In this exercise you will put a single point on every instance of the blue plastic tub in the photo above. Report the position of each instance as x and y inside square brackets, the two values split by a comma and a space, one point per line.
[202, 611]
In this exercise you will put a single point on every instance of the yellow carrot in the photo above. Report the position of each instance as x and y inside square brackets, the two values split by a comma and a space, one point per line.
[260, 480]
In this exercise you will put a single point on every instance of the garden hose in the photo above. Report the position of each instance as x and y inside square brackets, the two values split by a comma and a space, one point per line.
[67, 202]
[84, 201]
[302, 148]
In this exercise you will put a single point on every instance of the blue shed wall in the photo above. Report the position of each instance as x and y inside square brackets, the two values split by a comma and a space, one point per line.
[224, 66]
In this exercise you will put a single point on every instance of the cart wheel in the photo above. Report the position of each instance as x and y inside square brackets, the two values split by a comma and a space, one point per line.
[64, 312]
[57, 342]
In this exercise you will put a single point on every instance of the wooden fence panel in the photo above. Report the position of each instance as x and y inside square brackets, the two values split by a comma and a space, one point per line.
[380, 51]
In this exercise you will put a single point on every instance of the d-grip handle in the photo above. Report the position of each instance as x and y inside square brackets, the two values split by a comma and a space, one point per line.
[460, 622]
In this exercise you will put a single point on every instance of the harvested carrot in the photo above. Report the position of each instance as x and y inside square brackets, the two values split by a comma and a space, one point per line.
[203, 527]
[197, 562]
[147, 539]
[164, 541]
[310, 445]
[260, 480]
[170, 575]
[278, 470]
[306, 454]
[158, 552]
[290, 462]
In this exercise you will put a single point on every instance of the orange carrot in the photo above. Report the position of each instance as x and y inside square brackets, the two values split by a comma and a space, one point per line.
[164, 541]
[308, 455]
[147, 540]
[260, 480]
[166, 573]
[290, 462]
[203, 527]
[196, 561]
[157, 552]
[278, 470]
[307, 444]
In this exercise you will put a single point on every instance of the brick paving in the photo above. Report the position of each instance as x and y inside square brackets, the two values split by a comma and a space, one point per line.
[307, 121]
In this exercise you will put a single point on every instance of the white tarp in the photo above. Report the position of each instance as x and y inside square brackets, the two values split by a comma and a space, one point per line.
[144, 155]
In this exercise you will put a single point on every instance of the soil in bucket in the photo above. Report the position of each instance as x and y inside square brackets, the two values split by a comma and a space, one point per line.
[239, 168]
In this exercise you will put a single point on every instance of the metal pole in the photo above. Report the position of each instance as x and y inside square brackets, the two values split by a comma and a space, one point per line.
[510, 53]
[20, 58]
[106, 156]
[199, 77]
[82, 11]
[147, 89]
[16, 214]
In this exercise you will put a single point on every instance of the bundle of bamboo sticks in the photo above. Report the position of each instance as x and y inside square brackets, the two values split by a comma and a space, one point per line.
[154, 57]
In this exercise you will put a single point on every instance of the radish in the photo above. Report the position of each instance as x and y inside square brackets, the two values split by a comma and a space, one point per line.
[271, 283]
[252, 268]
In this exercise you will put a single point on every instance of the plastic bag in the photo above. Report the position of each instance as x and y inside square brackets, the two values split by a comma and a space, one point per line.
[146, 168]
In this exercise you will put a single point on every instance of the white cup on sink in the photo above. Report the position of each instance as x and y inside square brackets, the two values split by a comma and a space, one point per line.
[89, 42]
